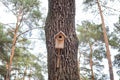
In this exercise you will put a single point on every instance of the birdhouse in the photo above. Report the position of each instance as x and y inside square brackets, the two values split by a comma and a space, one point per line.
[59, 40]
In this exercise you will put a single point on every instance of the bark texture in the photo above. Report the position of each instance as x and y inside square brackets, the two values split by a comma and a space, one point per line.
[106, 43]
[61, 17]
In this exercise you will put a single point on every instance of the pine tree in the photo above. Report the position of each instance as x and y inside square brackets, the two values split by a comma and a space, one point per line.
[91, 3]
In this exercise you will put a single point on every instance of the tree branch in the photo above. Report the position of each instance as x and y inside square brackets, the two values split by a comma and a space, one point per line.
[27, 31]
[8, 7]
[110, 8]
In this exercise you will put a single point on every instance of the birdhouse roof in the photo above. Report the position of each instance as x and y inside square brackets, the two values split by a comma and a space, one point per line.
[60, 33]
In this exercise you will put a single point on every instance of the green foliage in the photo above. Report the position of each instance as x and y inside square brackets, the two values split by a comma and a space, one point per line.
[29, 9]
[1, 30]
[4, 50]
[3, 35]
[25, 5]
[89, 2]
[99, 53]
[114, 40]
[4, 42]
[89, 32]
[22, 58]
[115, 43]
[2, 70]
[26, 59]
[37, 73]
[91, 6]
[117, 61]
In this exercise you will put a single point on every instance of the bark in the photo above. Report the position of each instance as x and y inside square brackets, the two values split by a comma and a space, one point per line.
[106, 43]
[91, 62]
[61, 17]
[5, 77]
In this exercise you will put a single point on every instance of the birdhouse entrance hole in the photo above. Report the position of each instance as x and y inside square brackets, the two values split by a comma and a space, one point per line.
[60, 36]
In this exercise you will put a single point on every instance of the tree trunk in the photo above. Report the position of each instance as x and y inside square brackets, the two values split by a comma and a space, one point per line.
[91, 62]
[106, 43]
[12, 53]
[19, 18]
[8, 72]
[61, 17]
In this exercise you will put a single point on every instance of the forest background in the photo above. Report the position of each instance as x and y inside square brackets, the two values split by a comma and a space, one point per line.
[33, 41]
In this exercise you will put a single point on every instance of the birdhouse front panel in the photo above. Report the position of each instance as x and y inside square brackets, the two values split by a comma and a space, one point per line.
[59, 44]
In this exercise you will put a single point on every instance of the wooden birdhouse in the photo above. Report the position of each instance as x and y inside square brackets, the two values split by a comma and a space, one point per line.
[59, 40]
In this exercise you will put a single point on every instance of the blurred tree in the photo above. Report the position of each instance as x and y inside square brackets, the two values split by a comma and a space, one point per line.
[24, 63]
[27, 14]
[115, 43]
[90, 36]
[91, 3]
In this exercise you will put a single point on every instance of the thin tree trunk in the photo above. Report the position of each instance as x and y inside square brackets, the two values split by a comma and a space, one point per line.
[19, 18]
[25, 71]
[12, 53]
[106, 43]
[91, 62]
[61, 17]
